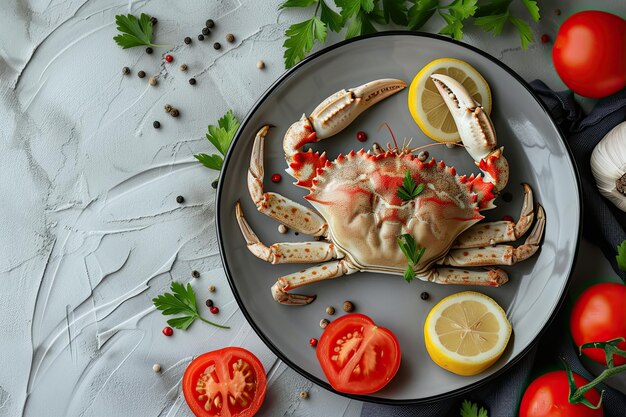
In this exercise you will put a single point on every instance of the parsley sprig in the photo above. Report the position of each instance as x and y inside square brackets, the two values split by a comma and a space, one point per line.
[360, 17]
[413, 254]
[409, 190]
[470, 409]
[135, 32]
[621, 256]
[182, 300]
[220, 136]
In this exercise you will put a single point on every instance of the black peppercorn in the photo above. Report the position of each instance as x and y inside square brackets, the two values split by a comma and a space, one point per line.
[141, 74]
[195, 274]
[125, 70]
[180, 199]
[187, 40]
[174, 113]
[154, 20]
[209, 303]
[156, 124]
[205, 31]
[148, 50]
[192, 81]
[217, 45]
[200, 37]
[424, 295]
[214, 184]
[210, 23]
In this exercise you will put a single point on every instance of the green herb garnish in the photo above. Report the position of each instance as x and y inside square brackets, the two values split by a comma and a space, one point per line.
[135, 32]
[621, 256]
[409, 190]
[413, 255]
[220, 136]
[182, 300]
[360, 17]
[470, 409]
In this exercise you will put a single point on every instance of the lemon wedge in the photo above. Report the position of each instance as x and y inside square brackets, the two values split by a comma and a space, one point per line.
[426, 105]
[466, 333]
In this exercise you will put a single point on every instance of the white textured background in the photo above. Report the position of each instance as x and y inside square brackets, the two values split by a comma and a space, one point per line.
[89, 227]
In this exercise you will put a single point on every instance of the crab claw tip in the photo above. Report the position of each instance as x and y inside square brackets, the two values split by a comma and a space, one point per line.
[453, 92]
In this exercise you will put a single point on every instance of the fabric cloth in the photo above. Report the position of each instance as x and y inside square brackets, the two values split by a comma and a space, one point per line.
[604, 225]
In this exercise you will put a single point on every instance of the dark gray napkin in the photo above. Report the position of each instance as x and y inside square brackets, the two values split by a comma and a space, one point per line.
[604, 225]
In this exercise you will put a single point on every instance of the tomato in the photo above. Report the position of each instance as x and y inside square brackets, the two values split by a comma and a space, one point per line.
[589, 53]
[599, 315]
[547, 396]
[357, 356]
[228, 382]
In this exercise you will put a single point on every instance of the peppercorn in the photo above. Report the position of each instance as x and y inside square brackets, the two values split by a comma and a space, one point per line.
[169, 58]
[210, 23]
[211, 288]
[149, 50]
[217, 45]
[214, 184]
[125, 70]
[209, 303]
[348, 306]
[180, 199]
[187, 40]
[260, 64]
[214, 310]
[313, 342]
[304, 395]
[156, 124]
[282, 229]
[154, 20]
[195, 274]
[152, 81]
[141, 74]
[168, 331]
[324, 323]
[183, 67]
[276, 178]
[200, 37]
[330, 310]
[424, 295]
[230, 38]
[174, 113]
[361, 136]
[156, 367]
[192, 81]
[168, 108]
[296, 233]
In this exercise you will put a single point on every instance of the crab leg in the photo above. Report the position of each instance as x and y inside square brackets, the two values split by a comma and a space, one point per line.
[330, 117]
[475, 129]
[501, 254]
[493, 277]
[485, 234]
[282, 209]
[316, 273]
[285, 253]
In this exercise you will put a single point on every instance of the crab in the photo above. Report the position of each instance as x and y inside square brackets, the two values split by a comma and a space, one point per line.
[360, 216]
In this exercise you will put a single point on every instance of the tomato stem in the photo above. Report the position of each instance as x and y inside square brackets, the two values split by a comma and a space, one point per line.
[213, 324]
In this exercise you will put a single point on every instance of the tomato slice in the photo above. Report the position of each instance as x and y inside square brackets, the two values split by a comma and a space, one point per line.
[228, 382]
[357, 356]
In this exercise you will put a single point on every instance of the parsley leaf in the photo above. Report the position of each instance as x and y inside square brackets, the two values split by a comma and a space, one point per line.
[494, 23]
[462, 9]
[470, 409]
[413, 255]
[135, 32]
[420, 12]
[367, 5]
[360, 25]
[533, 9]
[492, 8]
[300, 39]
[297, 3]
[395, 10]
[348, 7]
[409, 190]
[454, 26]
[220, 136]
[182, 300]
[621, 256]
[525, 34]
[332, 19]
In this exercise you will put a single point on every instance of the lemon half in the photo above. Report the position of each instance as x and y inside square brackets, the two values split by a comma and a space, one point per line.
[428, 108]
[466, 333]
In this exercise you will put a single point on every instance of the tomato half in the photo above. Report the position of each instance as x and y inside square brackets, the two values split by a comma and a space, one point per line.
[599, 315]
[589, 53]
[547, 396]
[357, 356]
[228, 382]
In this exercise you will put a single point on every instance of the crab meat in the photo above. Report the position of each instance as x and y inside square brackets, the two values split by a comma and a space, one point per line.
[361, 216]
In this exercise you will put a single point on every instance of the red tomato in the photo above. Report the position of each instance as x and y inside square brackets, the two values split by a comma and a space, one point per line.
[547, 396]
[228, 382]
[589, 53]
[357, 356]
[599, 315]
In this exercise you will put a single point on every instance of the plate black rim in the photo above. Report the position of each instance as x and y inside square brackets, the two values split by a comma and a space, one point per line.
[275, 349]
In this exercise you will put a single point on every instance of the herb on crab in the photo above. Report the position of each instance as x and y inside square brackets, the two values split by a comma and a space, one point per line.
[470, 409]
[413, 254]
[135, 31]
[182, 300]
[409, 190]
[220, 136]
[360, 17]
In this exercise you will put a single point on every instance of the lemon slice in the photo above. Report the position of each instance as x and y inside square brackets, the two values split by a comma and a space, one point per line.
[428, 108]
[466, 333]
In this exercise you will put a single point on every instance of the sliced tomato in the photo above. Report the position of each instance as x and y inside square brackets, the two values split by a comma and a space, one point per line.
[357, 356]
[228, 382]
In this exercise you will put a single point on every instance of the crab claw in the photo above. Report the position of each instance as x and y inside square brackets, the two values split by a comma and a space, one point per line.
[475, 129]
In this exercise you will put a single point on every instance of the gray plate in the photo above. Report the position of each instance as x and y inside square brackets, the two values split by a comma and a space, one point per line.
[536, 153]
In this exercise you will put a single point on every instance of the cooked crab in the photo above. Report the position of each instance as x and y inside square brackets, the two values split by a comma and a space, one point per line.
[360, 215]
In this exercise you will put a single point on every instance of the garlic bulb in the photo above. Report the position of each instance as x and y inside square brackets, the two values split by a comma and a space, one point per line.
[608, 165]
